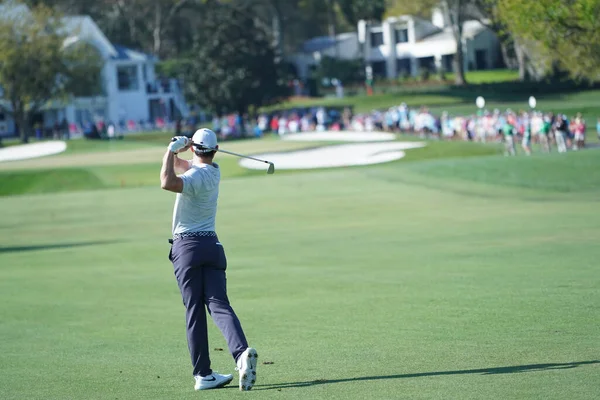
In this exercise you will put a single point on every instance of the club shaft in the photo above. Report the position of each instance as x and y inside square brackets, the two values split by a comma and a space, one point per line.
[238, 155]
[243, 156]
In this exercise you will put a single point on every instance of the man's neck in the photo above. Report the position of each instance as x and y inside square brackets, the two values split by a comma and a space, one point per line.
[203, 160]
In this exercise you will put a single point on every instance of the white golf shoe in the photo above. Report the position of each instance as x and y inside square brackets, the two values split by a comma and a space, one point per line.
[212, 381]
[246, 366]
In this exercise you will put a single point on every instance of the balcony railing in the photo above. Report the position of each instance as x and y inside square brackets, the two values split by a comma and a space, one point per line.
[162, 86]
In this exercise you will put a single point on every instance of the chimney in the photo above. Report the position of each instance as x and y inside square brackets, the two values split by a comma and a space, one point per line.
[438, 18]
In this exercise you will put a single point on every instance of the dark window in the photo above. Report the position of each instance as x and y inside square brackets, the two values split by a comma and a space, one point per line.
[127, 78]
[376, 39]
[481, 59]
[427, 63]
[401, 35]
[447, 62]
[403, 66]
[379, 69]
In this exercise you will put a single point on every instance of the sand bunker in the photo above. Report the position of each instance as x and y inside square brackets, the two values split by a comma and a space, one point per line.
[336, 156]
[34, 150]
[331, 136]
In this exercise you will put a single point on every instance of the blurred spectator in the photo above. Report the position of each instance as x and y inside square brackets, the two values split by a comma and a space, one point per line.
[560, 134]
[56, 130]
[579, 131]
[64, 129]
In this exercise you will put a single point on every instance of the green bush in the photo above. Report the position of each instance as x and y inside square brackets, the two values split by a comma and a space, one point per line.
[404, 76]
[441, 74]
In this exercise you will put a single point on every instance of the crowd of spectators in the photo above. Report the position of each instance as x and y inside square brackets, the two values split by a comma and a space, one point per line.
[527, 127]
[549, 130]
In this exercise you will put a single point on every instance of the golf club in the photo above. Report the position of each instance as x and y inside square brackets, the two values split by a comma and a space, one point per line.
[270, 171]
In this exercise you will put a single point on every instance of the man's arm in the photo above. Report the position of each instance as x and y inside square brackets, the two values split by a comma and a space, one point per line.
[182, 166]
[168, 180]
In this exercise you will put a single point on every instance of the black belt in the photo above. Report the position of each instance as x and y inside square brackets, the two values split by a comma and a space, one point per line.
[193, 234]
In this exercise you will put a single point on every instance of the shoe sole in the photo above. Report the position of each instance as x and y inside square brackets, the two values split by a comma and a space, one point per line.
[248, 370]
[220, 385]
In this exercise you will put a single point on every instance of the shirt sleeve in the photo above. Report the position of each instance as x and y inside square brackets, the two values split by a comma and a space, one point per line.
[192, 182]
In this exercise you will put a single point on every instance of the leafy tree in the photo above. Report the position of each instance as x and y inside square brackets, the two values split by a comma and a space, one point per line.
[289, 23]
[455, 11]
[233, 68]
[145, 24]
[420, 8]
[155, 26]
[517, 54]
[355, 10]
[36, 67]
[567, 31]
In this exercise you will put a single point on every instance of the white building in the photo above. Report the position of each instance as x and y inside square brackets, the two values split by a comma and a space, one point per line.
[407, 44]
[131, 89]
[344, 46]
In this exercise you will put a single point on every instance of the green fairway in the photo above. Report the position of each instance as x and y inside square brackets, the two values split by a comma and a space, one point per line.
[434, 277]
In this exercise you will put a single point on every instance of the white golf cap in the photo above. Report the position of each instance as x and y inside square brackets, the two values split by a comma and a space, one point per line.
[205, 138]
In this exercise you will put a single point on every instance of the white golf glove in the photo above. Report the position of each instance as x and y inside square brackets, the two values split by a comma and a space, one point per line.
[178, 143]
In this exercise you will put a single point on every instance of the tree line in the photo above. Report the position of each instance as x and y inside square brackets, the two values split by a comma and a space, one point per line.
[536, 37]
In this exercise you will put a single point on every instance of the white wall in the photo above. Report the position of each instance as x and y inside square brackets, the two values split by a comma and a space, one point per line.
[130, 104]
[346, 49]
[302, 62]
[433, 48]
[486, 40]
[389, 40]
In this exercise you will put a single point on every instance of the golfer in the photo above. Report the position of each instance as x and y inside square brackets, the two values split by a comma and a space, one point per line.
[199, 259]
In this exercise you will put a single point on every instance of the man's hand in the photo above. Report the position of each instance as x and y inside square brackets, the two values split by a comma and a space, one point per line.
[179, 143]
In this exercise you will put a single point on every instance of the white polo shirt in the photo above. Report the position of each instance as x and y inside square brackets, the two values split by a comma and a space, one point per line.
[196, 207]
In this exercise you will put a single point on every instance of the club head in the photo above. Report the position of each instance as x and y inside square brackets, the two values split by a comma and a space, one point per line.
[271, 169]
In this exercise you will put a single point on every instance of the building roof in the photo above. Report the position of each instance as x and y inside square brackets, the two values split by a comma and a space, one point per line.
[321, 43]
[123, 54]
[470, 30]
[85, 29]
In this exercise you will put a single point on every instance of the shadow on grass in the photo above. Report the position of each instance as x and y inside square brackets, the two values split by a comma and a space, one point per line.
[484, 371]
[18, 249]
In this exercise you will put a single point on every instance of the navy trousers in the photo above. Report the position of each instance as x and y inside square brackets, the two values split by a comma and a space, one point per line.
[199, 264]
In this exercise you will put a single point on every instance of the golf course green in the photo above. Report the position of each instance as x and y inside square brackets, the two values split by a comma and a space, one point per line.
[454, 273]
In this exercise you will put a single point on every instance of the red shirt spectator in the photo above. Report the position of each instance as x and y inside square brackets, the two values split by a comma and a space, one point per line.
[275, 124]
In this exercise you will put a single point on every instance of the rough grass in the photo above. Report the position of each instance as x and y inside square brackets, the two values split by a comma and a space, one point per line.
[461, 101]
[59, 180]
[570, 172]
[368, 103]
[492, 76]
